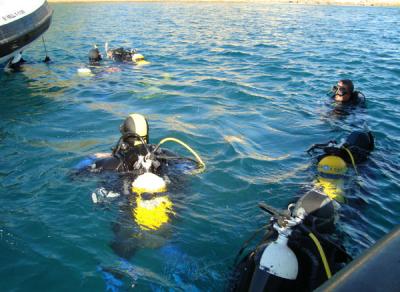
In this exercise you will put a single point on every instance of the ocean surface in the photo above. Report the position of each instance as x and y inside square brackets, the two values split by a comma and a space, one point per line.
[245, 85]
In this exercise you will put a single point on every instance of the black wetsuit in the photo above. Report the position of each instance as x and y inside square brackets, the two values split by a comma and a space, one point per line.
[122, 55]
[359, 143]
[124, 160]
[311, 273]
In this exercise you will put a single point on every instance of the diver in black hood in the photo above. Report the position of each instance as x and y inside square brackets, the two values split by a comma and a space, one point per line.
[134, 154]
[132, 150]
[355, 149]
[142, 173]
[94, 56]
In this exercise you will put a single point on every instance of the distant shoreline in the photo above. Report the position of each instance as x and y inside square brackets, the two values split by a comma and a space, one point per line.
[311, 2]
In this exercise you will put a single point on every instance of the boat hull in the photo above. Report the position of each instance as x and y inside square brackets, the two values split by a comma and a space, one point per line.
[15, 36]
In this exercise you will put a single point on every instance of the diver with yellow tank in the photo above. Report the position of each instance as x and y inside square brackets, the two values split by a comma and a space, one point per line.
[299, 250]
[145, 170]
[334, 159]
[119, 55]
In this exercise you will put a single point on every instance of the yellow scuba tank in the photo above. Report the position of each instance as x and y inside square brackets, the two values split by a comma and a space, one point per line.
[152, 209]
[331, 170]
[138, 59]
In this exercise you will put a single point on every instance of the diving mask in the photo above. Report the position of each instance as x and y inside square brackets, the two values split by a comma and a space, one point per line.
[340, 90]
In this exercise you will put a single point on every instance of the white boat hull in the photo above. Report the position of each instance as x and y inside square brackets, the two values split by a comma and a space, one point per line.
[21, 23]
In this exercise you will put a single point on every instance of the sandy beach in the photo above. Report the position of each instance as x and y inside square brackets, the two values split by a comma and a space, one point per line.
[309, 2]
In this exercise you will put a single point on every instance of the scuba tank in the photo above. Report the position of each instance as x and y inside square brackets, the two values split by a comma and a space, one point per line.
[277, 266]
[331, 171]
[333, 160]
[295, 253]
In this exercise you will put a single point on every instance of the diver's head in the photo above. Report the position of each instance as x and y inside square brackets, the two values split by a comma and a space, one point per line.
[332, 166]
[343, 90]
[94, 55]
[135, 124]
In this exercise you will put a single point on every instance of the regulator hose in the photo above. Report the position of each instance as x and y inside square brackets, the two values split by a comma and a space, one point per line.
[351, 158]
[130, 135]
[170, 139]
[322, 254]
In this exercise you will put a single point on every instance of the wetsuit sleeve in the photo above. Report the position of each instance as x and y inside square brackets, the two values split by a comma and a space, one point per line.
[110, 163]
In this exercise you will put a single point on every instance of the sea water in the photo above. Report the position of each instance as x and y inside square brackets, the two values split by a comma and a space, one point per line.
[243, 84]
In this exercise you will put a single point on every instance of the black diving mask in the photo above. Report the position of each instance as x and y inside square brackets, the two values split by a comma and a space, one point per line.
[340, 90]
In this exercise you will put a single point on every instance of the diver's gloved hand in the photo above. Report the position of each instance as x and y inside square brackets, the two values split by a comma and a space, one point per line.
[101, 195]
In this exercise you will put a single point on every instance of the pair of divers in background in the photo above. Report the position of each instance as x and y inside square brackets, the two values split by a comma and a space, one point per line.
[119, 55]
[299, 250]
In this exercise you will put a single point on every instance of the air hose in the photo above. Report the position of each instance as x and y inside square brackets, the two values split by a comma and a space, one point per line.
[322, 254]
[351, 158]
[199, 160]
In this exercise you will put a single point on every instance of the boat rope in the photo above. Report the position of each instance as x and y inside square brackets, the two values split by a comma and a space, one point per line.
[47, 58]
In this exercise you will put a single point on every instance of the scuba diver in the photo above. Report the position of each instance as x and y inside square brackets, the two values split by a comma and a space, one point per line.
[118, 55]
[94, 68]
[300, 249]
[333, 159]
[133, 154]
[94, 56]
[345, 99]
[149, 178]
[344, 93]
[125, 55]
[354, 150]
[146, 171]
[296, 252]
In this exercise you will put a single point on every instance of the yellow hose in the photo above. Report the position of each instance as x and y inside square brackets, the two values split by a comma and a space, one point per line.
[352, 159]
[322, 254]
[200, 161]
